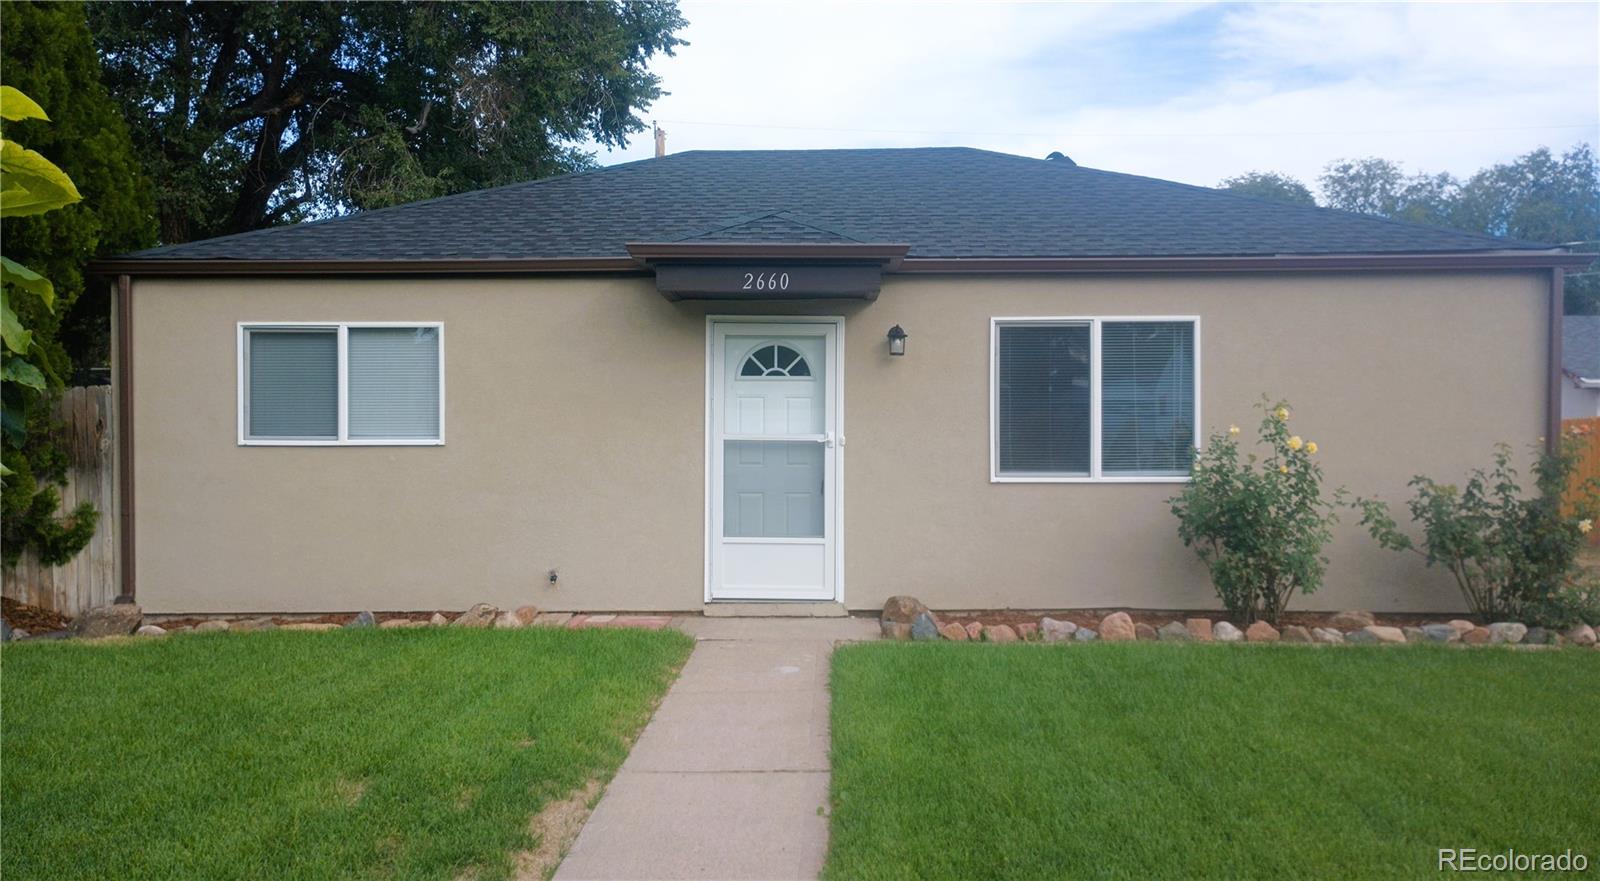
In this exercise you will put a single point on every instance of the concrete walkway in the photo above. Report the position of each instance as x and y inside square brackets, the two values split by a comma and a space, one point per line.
[729, 780]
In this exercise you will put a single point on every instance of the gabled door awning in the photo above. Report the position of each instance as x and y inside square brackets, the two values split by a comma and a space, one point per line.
[761, 271]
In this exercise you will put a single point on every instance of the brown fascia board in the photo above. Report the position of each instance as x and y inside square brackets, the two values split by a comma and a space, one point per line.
[892, 257]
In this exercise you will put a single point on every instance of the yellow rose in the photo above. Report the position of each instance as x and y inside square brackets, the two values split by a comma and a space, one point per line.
[1233, 431]
[1283, 469]
[1282, 413]
[1585, 525]
[1296, 443]
[1311, 447]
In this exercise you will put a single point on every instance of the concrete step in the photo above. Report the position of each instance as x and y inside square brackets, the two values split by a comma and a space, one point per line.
[775, 610]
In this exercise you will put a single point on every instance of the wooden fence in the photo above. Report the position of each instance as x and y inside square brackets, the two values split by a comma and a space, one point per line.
[1589, 463]
[90, 578]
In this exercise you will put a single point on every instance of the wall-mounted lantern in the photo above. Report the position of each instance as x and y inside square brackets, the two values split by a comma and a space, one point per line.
[897, 340]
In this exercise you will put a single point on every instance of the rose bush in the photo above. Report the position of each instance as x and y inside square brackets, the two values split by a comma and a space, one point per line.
[1259, 522]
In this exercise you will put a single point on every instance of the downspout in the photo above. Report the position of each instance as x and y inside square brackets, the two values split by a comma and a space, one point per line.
[124, 398]
[1552, 427]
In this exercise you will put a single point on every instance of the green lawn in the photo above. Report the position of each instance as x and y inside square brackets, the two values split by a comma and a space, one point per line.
[1144, 760]
[350, 754]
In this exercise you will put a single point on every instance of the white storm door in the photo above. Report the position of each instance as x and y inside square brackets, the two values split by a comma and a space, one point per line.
[774, 461]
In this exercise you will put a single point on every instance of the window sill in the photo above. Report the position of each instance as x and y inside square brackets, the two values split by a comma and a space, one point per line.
[438, 442]
[999, 478]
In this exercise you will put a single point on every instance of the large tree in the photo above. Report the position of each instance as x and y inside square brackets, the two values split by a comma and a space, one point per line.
[1269, 185]
[262, 113]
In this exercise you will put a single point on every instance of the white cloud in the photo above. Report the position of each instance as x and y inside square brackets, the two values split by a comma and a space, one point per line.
[1186, 92]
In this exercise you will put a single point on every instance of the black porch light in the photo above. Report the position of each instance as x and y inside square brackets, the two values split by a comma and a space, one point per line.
[897, 340]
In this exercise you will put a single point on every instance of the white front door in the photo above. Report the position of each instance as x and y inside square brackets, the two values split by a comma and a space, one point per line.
[774, 460]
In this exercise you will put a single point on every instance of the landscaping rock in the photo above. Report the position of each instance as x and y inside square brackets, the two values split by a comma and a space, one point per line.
[1199, 628]
[50, 635]
[1085, 634]
[1056, 631]
[1261, 631]
[894, 629]
[1028, 631]
[362, 619]
[507, 621]
[394, 624]
[924, 627]
[16, 633]
[526, 614]
[1441, 633]
[150, 630]
[552, 619]
[1117, 627]
[1326, 636]
[1476, 636]
[1225, 632]
[1375, 634]
[1352, 620]
[1174, 631]
[480, 616]
[1144, 631]
[5, 631]
[1507, 631]
[975, 630]
[1296, 633]
[953, 632]
[1539, 636]
[114, 620]
[1000, 633]
[1414, 634]
[1582, 634]
[212, 626]
[902, 609]
[1461, 624]
[311, 626]
[437, 620]
[252, 625]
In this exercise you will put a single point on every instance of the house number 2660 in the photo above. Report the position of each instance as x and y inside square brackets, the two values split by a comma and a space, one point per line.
[766, 281]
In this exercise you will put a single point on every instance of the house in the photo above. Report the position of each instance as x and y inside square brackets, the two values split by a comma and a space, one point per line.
[806, 376]
[1580, 367]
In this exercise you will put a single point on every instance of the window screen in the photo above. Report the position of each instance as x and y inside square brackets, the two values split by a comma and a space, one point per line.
[1043, 406]
[293, 390]
[1147, 397]
[394, 382]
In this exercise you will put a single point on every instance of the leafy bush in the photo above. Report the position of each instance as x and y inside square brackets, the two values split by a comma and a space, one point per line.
[1513, 556]
[1259, 522]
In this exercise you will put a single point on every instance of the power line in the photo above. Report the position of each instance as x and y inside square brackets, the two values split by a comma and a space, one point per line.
[1071, 135]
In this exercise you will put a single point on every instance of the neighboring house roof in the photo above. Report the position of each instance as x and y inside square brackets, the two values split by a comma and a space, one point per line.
[944, 202]
[1580, 346]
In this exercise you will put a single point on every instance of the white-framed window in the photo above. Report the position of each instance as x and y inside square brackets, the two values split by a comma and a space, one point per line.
[348, 383]
[1093, 399]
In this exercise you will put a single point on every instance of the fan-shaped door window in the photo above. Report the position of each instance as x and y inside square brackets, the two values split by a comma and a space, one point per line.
[774, 360]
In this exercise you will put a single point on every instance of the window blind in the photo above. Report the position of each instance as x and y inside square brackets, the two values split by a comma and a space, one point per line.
[394, 382]
[1147, 397]
[1043, 406]
[294, 384]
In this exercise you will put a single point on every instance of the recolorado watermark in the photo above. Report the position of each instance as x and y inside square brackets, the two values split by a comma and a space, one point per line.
[1469, 859]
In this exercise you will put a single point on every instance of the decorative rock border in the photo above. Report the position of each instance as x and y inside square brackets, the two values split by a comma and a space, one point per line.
[906, 618]
[127, 619]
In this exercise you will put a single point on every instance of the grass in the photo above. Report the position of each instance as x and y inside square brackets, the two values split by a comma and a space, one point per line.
[1163, 761]
[356, 754]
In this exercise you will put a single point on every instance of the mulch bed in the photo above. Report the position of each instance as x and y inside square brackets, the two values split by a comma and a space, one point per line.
[1156, 618]
[340, 618]
[33, 619]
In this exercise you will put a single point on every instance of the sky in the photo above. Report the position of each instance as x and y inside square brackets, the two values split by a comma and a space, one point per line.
[1188, 92]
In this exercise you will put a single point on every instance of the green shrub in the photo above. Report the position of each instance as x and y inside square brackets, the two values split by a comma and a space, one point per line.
[1259, 522]
[1512, 555]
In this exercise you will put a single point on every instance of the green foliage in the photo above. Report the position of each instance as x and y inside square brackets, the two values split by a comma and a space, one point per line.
[1513, 556]
[1537, 197]
[255, 114]
[31, 184]
[1259, 522]
[1269, 185]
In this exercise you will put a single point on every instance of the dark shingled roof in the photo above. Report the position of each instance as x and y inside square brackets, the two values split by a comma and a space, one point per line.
[944, 202]
[1580, 345]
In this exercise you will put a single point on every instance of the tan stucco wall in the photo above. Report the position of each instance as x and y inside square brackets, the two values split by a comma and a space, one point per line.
[575, 440]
